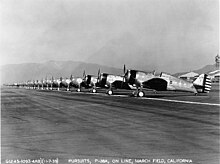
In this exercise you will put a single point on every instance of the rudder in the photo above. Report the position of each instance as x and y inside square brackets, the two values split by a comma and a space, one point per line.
[203, 83]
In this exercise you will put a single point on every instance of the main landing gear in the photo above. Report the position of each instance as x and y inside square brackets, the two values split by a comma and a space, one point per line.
[109, 92]
[94, 90]
[139, 93]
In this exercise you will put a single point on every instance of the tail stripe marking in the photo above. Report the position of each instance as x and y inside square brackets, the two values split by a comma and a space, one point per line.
[207, 85]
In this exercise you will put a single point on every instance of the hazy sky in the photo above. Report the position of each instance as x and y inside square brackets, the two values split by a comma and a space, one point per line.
[41, 30]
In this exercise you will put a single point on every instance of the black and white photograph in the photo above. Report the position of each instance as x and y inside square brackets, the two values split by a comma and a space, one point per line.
[109, 81]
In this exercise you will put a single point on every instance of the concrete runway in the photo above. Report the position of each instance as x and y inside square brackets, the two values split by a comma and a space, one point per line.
[68, 125]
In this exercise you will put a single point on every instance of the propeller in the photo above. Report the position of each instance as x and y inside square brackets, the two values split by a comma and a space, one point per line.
[52, 79]
[84, 74]
[71, 77]
[99, 75]
[124, 71]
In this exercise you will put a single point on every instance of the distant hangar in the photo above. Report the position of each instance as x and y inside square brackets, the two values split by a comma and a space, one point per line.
[191, 76]
[215, 75]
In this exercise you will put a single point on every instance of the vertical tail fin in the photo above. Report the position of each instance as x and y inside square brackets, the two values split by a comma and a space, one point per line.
[203, 83]
[207, 84]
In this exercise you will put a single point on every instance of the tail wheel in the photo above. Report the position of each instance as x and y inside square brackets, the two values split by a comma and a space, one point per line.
[140, 94]
[78, 90]
[110, 92]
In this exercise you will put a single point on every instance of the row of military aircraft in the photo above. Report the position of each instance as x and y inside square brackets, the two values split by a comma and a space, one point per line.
[136, 80]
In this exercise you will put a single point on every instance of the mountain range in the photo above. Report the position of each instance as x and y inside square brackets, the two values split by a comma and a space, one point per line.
[205, 69]
[36, 71]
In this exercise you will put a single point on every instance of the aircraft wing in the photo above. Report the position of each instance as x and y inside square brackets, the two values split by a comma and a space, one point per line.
[156, 83]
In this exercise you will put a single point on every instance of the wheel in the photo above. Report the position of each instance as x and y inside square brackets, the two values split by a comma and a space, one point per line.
[196, 94]
[67, 89]
[78, 90]
[140, 94]
[93, 90]
[110, 92]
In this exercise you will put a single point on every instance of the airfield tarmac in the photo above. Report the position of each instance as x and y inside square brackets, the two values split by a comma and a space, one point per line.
[69, 125]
